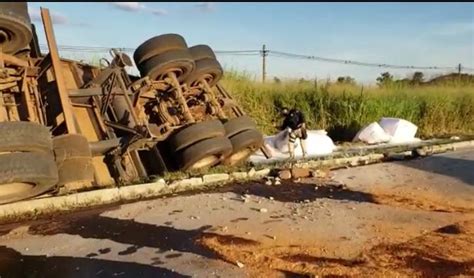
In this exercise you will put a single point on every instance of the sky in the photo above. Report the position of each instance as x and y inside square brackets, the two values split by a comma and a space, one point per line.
[419, 34]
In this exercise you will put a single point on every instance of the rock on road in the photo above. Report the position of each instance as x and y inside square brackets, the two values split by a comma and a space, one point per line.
[404, 219]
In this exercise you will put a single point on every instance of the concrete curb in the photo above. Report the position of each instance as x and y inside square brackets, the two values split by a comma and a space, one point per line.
[49, 204]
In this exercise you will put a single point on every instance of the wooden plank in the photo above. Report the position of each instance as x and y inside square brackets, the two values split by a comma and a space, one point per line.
[57, 69]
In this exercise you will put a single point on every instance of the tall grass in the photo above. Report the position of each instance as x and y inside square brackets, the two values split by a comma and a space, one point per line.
[437, 110]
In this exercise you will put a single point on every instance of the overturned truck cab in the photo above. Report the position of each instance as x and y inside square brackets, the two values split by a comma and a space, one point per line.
[68, 126]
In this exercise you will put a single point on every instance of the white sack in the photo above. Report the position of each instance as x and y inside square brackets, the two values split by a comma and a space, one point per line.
[372, 134]
[399, 129]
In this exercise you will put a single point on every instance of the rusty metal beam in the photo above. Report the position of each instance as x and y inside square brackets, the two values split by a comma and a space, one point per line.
[9, 59]
[57, 71]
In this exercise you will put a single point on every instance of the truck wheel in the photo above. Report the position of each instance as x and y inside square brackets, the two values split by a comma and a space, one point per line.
[71, 146]
[25, 175]
[195, 133]
[15, 26]
[206, 153]
[73, 159]
[24, 137]
[239, 124]
[244, 144]
[158, 45]
[202, 51]
[208, 69]
[178, 61]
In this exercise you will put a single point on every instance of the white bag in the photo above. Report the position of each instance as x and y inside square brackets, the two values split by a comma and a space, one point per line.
[399, 129]
[372, 134]
[317, 143]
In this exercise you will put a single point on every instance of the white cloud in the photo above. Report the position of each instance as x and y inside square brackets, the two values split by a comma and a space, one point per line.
[129, 6]
[159, 12]
[206, 6]
[57, 18]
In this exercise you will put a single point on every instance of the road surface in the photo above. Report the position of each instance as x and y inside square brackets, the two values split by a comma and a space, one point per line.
[399, 219]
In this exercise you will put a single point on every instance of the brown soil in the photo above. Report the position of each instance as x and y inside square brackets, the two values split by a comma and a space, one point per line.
[445, 252]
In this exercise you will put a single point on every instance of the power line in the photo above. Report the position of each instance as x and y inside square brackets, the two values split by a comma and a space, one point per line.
[350, 62]
[130, 50]
[274, 53]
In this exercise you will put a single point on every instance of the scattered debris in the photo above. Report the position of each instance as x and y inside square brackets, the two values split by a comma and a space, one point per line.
[239, 264]
[284, 174]
[300, 173]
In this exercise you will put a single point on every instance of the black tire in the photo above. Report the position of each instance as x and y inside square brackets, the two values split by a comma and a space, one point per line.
[208, 69]
[77, 169]
[15, 25]
[220, 147]
[23, 53]
[239, 124]
[202, 51]
[17, 9]
[158, 45]
[195, 133]
[73, 158]
[24, 137]
[38, 169]
[71, 146]
[179, 61]
[244, 144]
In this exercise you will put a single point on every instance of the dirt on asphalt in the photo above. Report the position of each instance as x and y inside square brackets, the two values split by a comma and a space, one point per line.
[410, 219]
[444, 252]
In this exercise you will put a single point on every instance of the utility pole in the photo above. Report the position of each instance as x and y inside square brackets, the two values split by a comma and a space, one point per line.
[459, 68]
[264, 54]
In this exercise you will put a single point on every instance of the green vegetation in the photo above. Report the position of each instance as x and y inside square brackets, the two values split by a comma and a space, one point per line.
[342, 108]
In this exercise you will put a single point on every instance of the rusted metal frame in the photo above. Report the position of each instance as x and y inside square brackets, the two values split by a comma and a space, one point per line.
[207, 89]
[13, 113]
[39, 103]
[44, 65]
[88, 92]
[27, 97]
[3, 109]
[239, 112]
[236, 109]
[127, 98]
[121, 127]
[74, 68]
[57, 71]
[99, 117]
[139, 167]
[112, 155]
[6, 59]
[134, 156]
[109, 92]
[82, 105]
[173, 80]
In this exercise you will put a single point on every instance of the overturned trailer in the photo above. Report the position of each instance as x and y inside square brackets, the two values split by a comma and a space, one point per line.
[70, 125]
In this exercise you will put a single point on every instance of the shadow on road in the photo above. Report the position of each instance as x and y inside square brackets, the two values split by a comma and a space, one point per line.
[127, 232]
[15, 265]
[296, 192]
[459, 168]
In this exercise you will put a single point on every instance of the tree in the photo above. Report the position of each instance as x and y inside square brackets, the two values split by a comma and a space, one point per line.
[276, 80]
[417, 78]
[346, 80]
[385, 79]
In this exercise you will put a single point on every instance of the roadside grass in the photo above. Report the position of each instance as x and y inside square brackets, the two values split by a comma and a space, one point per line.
[340, 109]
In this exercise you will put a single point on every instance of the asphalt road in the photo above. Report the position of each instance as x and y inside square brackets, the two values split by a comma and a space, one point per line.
[253, 229]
